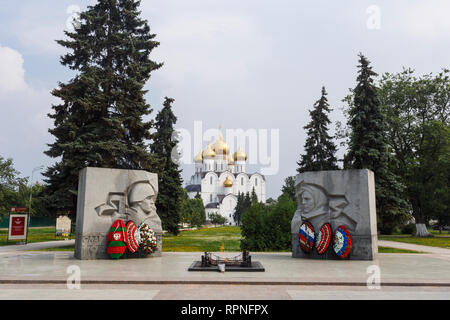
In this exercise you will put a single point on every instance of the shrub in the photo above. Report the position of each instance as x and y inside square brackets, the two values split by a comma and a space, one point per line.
[268, 228]
[409, 228]
[216, 218]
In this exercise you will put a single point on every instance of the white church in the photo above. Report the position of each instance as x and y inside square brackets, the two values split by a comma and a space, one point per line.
[220, 176]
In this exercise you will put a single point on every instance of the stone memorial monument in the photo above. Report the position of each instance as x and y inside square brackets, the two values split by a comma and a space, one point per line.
[105, 195]
[342, 200]
[63, 226]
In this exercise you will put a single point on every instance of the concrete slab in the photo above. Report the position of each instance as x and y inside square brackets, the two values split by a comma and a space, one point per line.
[361, 293]
[217, 292]
[63, 293]
[171, 268]
[342, 199]
[414, 247]
[37, 245]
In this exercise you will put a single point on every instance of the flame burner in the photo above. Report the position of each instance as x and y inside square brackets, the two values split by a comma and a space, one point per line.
[241, 262]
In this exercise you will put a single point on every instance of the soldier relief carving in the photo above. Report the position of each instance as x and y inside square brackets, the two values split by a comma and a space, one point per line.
[116, 214]
[136, 204]
[317, 207]
[135, 223]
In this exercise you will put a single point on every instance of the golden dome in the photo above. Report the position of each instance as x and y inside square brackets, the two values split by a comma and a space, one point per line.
[208, 153]
[230, 159]
[227, 183]
[220, 146]
[240, 155]
[198, 157]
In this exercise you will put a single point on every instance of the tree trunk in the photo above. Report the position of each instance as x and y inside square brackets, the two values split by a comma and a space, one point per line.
[421, 230]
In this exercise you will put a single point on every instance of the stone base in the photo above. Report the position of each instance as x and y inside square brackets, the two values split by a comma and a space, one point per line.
[106, 195]
[341, 198]
[93, 246]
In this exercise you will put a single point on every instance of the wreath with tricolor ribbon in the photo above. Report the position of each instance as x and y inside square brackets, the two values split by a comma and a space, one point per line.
[306, 237]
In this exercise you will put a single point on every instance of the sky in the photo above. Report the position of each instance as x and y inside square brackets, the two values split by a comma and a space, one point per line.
[257, 66]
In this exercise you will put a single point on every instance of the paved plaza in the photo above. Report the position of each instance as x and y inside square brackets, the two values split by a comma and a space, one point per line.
[219, 292]
[44, 275]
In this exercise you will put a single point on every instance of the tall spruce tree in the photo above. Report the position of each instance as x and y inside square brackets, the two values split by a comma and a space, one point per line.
[169, 175]
[319, 147]
[368, 149]
[239, 209]
[254, 197]
[247, 201]
[100, 120]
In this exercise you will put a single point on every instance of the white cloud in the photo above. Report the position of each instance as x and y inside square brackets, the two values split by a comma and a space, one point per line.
[39, 23]
[242, 64]
[12, 73]
[426, 19]
[23, 113]
[222, 47]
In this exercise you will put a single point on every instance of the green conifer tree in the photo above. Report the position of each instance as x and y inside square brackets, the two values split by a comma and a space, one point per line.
[254, 197]
[169, 175]
[319, 147]
[367, 149]
[100, 120]
[247, 201]
[239, 208]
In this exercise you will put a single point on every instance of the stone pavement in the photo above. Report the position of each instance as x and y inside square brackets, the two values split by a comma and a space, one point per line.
[218, 292]
[171, 268]
[37, 246]
[44, 275]
[415, 247]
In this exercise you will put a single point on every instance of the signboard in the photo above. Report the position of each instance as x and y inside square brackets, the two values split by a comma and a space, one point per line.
[18, 226]
[63, 226]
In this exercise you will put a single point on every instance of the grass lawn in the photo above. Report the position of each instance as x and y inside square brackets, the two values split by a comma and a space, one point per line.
[394, 250]
[436, 233]
[38, 234]
[201, 240]
[436, 241]
[204, 239]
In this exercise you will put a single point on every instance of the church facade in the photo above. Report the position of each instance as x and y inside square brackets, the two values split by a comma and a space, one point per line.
[220, 176]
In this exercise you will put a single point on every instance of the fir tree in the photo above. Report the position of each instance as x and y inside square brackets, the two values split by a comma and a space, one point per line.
[239, 208]
[247, 201]
[319, 147]
[100, 120]
[254, 197]
[368, 149]
[169, 177]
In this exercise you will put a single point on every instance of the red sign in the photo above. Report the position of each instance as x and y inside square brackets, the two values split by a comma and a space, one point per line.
[19, 209]
[18, 226]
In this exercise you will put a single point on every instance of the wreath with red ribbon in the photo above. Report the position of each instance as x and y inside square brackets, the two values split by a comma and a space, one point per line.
[323, 239]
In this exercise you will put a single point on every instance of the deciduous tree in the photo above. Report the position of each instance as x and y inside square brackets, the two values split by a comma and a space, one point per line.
[417, 112]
